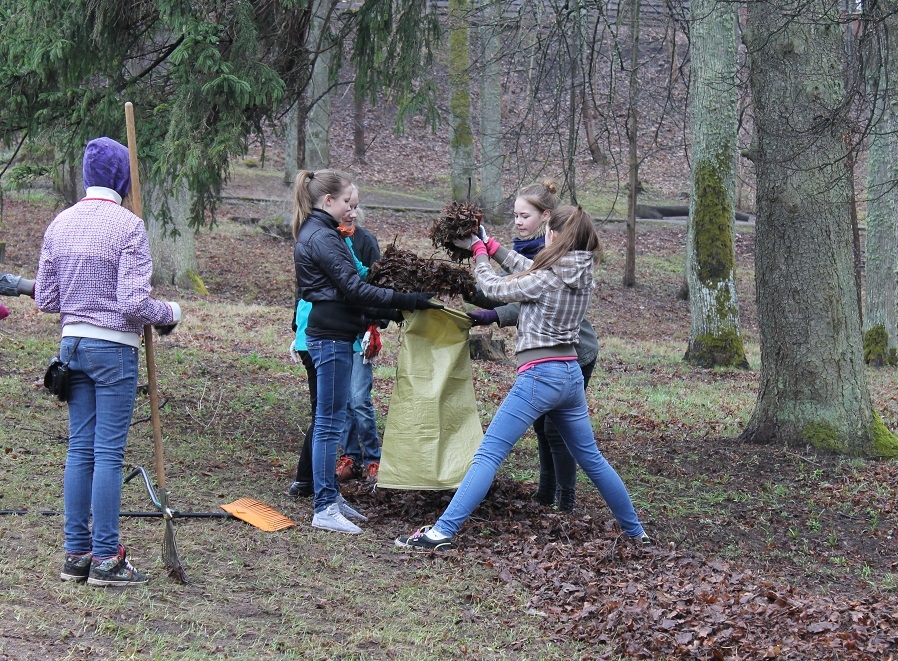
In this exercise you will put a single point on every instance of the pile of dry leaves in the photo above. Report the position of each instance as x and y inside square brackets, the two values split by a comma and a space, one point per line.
[590, 583]
[404, 271]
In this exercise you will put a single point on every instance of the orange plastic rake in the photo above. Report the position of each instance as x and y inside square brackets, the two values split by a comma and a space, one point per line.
[258, 514]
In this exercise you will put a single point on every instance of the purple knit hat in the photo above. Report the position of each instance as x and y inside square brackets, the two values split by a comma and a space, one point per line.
[106, 164]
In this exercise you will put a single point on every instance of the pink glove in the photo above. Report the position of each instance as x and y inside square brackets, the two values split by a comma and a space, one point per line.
[4, 313]
[491, 244]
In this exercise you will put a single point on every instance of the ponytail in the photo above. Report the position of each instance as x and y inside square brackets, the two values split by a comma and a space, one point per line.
[310, 188]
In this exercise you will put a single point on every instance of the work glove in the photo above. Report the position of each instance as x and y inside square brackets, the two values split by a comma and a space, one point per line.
[423, 302]
[491, 244]
[484, 317]
[294, 354]
[467, 242]
[165, 329]
[371, 344]
[419, 301]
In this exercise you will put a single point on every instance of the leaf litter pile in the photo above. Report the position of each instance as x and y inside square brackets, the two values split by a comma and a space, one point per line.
[459, 220]
[587, 582]
[404, 271]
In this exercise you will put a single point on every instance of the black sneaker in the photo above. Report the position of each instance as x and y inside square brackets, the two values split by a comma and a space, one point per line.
[115, 571]
[417, 541]
[76, 567]
[303, 489]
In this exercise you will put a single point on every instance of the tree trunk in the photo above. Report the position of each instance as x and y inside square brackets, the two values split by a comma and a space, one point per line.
[318, 119]
[882, 214]
[359, 146]
[714, 336]
[67, 182]
[491, 150]
[593, 128]
[461, 137]
[813, 388]
[172, 243]
[576, 17]
[629, 279]
[294, 142]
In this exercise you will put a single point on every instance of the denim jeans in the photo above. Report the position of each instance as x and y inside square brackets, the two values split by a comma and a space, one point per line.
[333, 366]
[554, 388]
[557, 467]
[360, 439]
[102, 388]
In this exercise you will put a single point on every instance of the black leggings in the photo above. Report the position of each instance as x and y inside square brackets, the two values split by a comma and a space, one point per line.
[304, 468]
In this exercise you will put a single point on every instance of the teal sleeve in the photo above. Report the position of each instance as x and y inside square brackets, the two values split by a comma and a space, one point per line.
[361, 268]
[303, 308]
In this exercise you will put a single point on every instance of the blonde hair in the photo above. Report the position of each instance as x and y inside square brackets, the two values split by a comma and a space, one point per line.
[542, 196]
[310, 188]
[359, 213]
[573, 231]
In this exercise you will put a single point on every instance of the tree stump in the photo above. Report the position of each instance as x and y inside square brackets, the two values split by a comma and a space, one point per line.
[484, 347]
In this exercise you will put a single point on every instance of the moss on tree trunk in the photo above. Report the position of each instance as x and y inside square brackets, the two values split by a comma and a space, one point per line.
[714, 338]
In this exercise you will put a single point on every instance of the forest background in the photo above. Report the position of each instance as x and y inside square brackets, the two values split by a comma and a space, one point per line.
[775, 550]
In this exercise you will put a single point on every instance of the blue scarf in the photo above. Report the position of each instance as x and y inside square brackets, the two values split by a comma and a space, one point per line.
[528, 247]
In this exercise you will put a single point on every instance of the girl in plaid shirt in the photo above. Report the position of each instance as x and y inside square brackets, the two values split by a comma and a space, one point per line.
[554, 290]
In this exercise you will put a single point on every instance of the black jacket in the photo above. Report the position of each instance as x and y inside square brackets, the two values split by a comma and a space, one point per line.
[326, 277]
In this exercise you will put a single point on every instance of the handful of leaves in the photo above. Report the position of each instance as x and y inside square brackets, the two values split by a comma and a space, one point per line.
[404, 271]
[459, 220]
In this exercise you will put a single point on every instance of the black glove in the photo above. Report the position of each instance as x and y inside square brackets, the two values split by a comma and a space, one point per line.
[411, 302]
[166, 329]
[386, 315]
[423, 302]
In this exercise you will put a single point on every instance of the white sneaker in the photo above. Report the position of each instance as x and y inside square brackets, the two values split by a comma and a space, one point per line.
[348, 511]
[332, 519]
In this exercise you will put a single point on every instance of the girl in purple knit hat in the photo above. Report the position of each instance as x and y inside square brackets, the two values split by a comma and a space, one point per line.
[94, 271]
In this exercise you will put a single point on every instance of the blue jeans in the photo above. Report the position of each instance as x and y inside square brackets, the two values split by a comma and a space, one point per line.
[554, 388]
[102, 388]
[360, 439]
[557, 468]
[333, 367]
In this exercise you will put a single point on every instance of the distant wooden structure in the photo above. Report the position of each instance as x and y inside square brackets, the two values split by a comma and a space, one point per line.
[651, 12]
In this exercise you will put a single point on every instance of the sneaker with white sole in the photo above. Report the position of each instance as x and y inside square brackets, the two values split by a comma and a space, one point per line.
[116, 571]
[348, 511]
[642, 540]
[331, 518]
[421, 542]
[76, 567]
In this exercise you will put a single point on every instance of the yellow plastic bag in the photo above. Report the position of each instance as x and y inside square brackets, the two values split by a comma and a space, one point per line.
[432, 428]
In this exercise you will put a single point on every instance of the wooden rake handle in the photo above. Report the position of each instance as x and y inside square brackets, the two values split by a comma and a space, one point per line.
[137, 207]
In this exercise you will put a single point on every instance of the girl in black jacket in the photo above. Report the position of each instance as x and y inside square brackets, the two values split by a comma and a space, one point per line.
[326, 277]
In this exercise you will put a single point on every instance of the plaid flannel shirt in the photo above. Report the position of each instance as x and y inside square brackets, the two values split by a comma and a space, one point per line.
[553, 301]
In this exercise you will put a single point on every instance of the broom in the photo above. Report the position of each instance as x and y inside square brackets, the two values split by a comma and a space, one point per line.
[169, 548]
